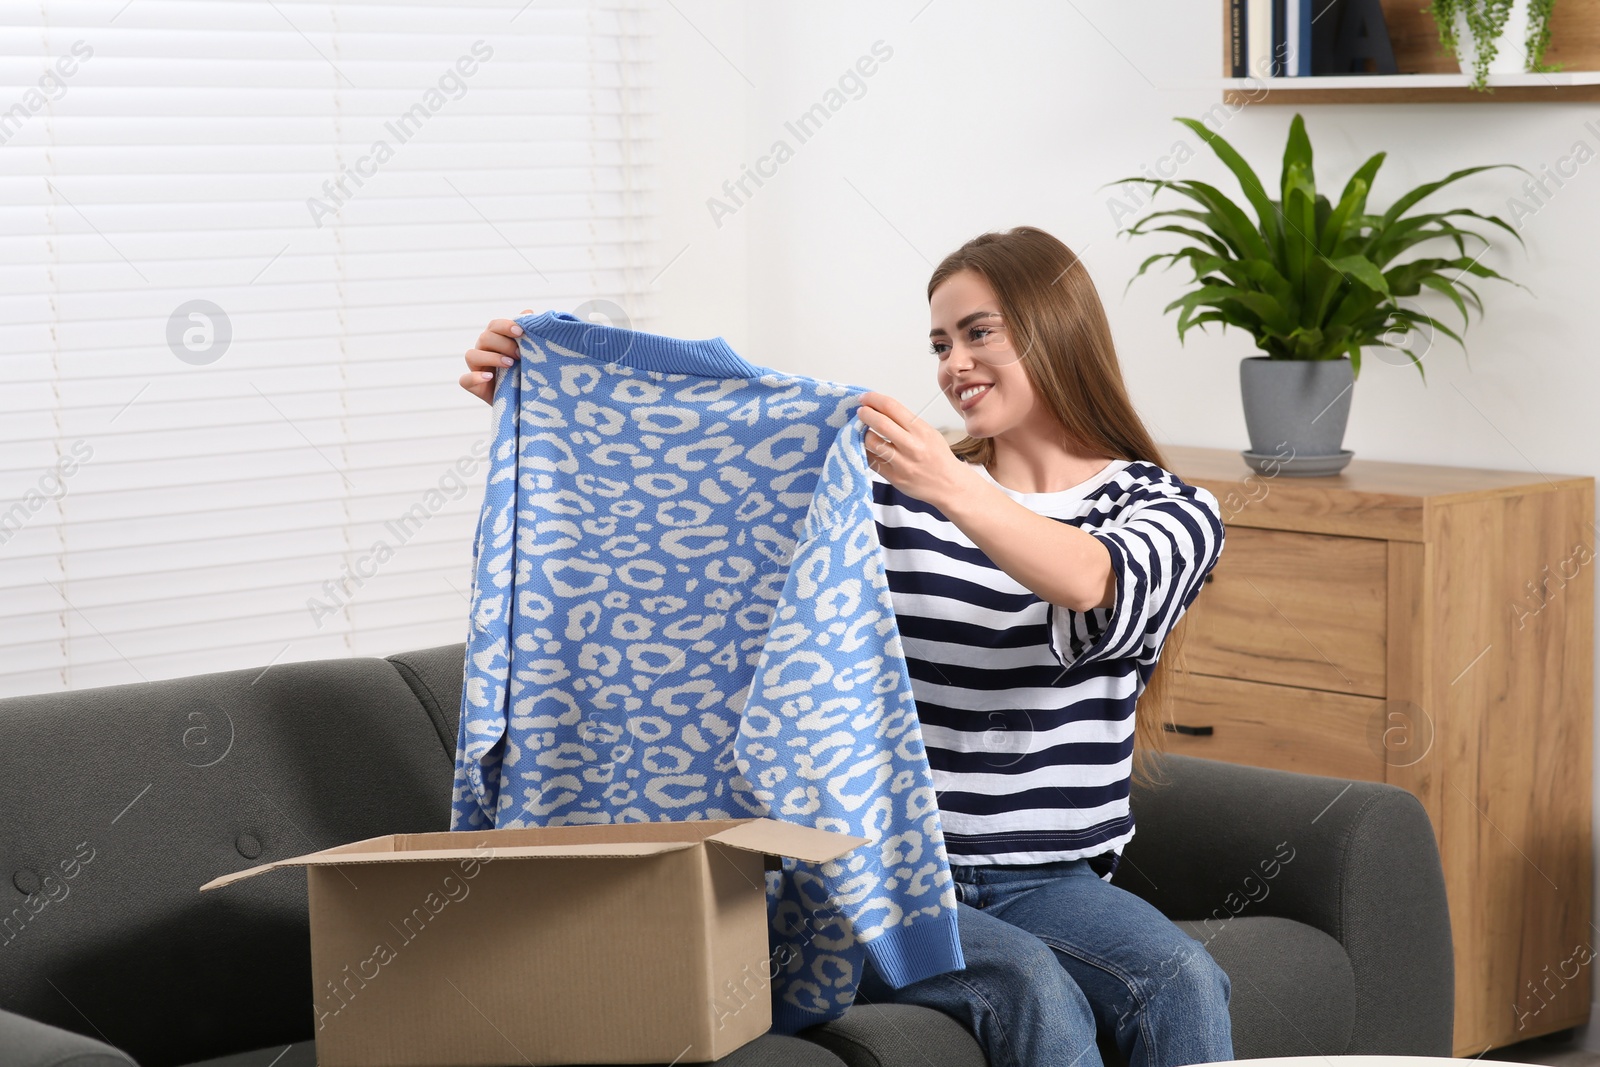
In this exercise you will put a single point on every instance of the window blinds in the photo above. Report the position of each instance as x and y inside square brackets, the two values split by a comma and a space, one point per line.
[245, 245]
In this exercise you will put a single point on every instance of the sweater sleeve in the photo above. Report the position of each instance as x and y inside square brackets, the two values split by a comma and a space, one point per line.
[485, 688]
[829, 737]
[1163, 543]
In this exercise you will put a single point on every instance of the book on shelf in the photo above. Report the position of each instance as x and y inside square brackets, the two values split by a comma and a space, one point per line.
[1258, 37]
[1291, 37]
[1280, 38]
[1238, 60]
[1303, 27]
[1325, 35]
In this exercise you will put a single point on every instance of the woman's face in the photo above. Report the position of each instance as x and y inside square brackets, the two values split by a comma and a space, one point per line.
[975, 354]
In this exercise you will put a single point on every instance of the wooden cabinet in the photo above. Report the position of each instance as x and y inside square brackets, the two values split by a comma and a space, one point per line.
[1431, 627]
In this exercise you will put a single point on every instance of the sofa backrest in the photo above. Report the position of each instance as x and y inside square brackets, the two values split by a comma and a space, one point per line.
[118, 803]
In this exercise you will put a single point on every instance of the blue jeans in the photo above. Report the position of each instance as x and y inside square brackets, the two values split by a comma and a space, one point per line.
[1054, 952]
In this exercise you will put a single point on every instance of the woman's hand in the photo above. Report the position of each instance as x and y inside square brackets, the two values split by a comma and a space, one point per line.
[497, 347]
[915, 458]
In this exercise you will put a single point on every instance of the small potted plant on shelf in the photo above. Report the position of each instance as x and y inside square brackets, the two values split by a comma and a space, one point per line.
[1313, 282]
[1494, 36]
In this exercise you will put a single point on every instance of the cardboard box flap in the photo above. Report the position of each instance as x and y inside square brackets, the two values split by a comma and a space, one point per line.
[777, 838]
[333, 857]
[248, 872]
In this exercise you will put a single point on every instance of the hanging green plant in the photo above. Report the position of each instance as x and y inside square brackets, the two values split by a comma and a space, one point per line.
[1486, 20]
[1539, 35]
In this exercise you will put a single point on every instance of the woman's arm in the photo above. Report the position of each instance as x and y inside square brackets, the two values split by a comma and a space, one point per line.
[1057, 562]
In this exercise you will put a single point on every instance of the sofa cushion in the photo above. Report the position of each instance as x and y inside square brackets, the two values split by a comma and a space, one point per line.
[118, 803]
[897, 1035]
[25, 1043]
[770, 1050]
[1292, 990]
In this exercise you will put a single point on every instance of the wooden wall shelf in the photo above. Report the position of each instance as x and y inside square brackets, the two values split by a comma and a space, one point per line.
[1431, 76]
[1557, 87]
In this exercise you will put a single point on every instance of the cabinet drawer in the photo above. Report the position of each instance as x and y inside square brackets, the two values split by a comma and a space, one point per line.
[1294, 609]
[1304, 730]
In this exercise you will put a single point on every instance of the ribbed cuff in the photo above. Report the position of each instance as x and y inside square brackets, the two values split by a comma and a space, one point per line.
[909, 954]
[711, 358]
[904, 955]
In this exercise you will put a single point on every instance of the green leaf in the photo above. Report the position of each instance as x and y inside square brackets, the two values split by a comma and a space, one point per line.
[1364, 271]
[1332, 231]
[1407, 315]
[1410, 232]
[1436, 282]
[1299, 218]
[1265, 275]
[1323, 285]
[1356, 303]
[1401, 206]
[1246, 177]
[1472, 266]
[1210, 240]
[1296, 154]
[1364, 175]
[1146, 264]
[1232, 224]
[1267, 311]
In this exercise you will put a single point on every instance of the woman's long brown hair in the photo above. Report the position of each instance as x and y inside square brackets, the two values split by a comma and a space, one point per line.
[1058, 327]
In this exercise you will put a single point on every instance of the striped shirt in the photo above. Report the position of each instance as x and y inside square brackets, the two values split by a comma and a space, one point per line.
[1027, 708]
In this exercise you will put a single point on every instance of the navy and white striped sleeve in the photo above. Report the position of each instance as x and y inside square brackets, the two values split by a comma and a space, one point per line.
[1163, 543]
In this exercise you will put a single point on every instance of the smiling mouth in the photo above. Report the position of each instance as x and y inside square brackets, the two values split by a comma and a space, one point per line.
[972, 394]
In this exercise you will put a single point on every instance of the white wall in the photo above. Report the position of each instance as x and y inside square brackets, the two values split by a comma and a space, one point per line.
[702, 289]
[988, 116]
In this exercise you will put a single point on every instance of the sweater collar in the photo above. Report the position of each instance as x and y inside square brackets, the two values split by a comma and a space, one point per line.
[711, 358]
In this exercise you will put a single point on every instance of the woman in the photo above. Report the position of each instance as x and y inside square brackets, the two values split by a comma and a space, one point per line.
[1037, 568]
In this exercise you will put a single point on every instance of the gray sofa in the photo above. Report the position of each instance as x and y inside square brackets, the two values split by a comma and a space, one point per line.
[117, 803]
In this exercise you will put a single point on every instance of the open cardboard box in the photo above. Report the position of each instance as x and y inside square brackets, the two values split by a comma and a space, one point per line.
[620, 943]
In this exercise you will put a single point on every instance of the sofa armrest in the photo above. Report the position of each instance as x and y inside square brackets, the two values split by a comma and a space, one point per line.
[1357, 860]
[25, 1043]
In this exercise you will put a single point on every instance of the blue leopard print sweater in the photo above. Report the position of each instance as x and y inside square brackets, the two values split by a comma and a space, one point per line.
[680, 612]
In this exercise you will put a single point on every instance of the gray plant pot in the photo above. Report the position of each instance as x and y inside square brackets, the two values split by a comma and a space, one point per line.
[1295, 411]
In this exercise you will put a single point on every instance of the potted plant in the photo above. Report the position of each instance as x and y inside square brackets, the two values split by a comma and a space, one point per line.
[1313, 282]
[1494, 36]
